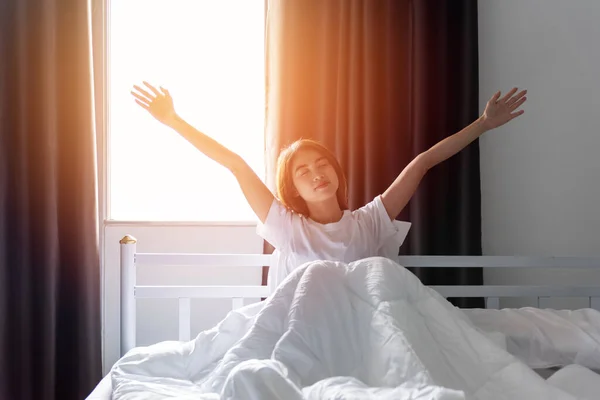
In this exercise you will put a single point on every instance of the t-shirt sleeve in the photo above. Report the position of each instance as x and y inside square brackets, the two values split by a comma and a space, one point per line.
[277, 227]
[385, 232]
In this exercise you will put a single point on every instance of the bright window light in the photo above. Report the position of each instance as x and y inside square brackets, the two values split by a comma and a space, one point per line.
[210, 55]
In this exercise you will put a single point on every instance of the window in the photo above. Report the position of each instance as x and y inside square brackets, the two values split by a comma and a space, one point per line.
[210, 55]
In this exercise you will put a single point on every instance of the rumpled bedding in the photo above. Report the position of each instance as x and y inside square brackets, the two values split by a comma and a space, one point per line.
[545, 338]
[368, 329]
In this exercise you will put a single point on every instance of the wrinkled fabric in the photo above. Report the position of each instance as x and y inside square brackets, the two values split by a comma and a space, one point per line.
[368, 329]
[545, 338]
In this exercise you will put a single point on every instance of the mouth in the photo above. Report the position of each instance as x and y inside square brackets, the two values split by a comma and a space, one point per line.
[322, 185]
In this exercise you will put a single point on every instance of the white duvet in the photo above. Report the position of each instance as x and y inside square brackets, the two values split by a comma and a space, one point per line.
[368, 329]
[545, 338]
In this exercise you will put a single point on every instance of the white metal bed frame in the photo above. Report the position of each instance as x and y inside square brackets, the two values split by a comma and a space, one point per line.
[130, 291]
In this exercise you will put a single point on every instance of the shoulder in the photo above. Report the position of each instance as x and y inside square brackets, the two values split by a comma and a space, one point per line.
[375, 208]
[281, 212]
[374, 219]
[280, 225]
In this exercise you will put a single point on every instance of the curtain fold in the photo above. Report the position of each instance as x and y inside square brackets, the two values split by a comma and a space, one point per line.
[50, 274]
[379, 82]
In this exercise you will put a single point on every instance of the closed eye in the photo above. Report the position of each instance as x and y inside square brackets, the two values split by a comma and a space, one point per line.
[323, 162]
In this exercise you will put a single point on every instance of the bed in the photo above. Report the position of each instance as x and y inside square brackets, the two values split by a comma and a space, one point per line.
[544, 340]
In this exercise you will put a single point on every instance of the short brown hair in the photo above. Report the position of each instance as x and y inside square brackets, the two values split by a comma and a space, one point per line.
[285, 186]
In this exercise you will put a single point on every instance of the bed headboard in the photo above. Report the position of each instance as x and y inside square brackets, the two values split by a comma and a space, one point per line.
[130, 259]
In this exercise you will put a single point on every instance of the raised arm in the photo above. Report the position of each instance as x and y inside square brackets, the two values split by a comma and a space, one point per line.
[159, 104]
[498, 112]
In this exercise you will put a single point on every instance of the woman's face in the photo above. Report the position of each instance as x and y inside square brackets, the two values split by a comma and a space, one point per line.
[314, 178]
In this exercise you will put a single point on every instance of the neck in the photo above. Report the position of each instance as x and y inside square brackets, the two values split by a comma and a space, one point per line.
[325, 212]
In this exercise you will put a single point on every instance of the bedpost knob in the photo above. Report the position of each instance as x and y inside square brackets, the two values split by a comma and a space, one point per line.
[128, 239]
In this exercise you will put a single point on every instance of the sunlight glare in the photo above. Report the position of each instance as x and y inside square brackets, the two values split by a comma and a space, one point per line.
[210, 55]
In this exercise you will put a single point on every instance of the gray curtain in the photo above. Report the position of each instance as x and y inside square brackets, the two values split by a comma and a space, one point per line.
[50, 327]
[379, 82]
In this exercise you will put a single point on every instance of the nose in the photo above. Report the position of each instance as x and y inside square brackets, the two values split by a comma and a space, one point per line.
[318, 177]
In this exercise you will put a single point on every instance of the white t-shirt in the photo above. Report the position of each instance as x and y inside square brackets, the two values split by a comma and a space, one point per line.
[365, 232]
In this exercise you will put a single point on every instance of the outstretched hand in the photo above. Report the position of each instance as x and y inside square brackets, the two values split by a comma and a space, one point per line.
[498, 111]
[158, 103]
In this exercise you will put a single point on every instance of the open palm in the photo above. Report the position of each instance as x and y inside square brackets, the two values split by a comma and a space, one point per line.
[158, 103]
[498, 111]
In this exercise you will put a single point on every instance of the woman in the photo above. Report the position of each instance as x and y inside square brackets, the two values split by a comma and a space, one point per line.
[309, 219]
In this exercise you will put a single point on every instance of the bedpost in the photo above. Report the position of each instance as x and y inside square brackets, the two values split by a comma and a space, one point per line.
[128, 277]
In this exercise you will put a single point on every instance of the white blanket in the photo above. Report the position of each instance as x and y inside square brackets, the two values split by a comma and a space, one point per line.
[369, 329]
[545, 338]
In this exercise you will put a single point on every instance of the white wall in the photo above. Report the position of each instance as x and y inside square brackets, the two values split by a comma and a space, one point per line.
[157, 318]
[541, 173]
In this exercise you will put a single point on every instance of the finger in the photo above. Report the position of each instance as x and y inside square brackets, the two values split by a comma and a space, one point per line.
[141, 98]
[516, 114]
[515, 98]
[143, 105]
[518, 104]
[509, 95]
[165, 92]
[495, 97]
[154, 90]
[145, 93]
